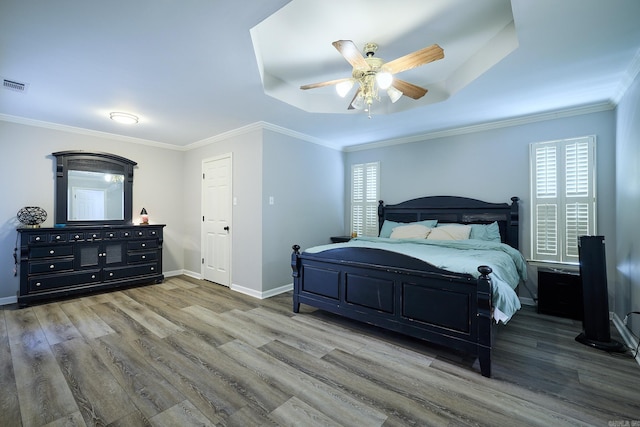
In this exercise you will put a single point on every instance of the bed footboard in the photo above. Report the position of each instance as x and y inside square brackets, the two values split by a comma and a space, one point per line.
[444, 308]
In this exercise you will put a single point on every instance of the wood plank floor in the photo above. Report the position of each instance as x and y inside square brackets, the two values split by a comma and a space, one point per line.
[189, 352]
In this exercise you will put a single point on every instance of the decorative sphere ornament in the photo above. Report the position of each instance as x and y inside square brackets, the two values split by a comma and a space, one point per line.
[32, 216]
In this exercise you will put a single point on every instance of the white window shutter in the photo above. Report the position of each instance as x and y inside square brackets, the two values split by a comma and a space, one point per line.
[563, 202]
[365, 192]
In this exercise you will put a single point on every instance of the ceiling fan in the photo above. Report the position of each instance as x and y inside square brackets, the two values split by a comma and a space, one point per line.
[372, 74]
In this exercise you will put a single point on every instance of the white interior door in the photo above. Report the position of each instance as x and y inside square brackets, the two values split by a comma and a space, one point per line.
[216, 219]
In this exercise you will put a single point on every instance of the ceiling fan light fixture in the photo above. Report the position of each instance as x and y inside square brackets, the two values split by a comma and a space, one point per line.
[344, 87]
[384, 79]
[358, 102]
[394, 94]
[124, 118]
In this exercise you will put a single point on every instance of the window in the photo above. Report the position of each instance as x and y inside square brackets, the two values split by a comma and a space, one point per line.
[365, 192]
[563, 197]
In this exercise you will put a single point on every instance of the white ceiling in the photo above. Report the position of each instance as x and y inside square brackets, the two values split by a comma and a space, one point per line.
[194, 69]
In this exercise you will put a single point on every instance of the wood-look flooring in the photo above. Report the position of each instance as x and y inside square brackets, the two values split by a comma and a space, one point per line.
[189, 352]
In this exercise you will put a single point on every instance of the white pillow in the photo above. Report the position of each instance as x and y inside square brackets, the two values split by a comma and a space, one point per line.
[413, 231]
[450, 232]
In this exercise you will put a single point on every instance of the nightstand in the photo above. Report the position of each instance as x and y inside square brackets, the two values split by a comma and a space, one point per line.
[560, 293]
[340, 239]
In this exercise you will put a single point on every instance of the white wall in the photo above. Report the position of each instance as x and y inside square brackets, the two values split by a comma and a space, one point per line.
[627, 296]
[27, 176]
[306, 182]
[493, 165]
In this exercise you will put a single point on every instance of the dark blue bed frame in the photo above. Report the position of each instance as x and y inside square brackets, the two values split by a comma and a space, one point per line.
[404, 294]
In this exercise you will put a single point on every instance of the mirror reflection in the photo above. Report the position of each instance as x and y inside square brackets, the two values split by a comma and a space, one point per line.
[95, 196]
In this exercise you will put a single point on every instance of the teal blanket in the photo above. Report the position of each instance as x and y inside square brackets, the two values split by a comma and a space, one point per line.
[459, 256]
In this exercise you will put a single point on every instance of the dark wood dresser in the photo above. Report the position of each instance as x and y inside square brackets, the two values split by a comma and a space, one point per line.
[64, 261]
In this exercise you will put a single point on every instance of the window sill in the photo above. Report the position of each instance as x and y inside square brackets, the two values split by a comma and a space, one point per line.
[557, 266]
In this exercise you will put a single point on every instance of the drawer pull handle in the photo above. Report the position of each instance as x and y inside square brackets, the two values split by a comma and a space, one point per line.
[52, 266]
[38, 284]
[144, 257]
[76, 237]
[152, 268]
[38, 238]
[52, 252]
[93, 276]
[110, 274]
[143, 245]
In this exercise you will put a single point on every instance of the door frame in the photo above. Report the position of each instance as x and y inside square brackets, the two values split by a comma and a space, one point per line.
[203, 245]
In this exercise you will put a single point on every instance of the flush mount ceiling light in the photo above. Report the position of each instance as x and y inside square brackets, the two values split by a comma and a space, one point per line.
[373, 74]
[125, 118]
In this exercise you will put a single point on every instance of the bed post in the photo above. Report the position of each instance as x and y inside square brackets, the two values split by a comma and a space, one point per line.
[380, 215]
[513, 223]
[295, 266]
[484, 295]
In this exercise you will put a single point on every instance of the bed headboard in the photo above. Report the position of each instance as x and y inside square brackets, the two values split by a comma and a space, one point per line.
[461, 210]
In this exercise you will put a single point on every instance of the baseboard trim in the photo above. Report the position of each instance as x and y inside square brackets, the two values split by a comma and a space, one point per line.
[173, 273]
[192, 274]
[527, 301]
[8, 300]
[627, 336]
[259, 294]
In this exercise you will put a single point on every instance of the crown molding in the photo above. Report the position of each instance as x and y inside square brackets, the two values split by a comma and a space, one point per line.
[627, 80]
[262, 125]
[258, 126]
[83, 131]
[594, 108]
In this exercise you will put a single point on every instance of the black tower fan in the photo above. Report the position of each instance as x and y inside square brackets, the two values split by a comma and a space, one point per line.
[593, 273]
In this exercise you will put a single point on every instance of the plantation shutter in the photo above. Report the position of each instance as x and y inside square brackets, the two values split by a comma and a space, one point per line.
[579, 196]
[563, 197]
[364, 198]
[546, 196]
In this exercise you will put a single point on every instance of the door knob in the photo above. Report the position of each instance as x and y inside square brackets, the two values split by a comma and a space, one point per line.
[226, 228]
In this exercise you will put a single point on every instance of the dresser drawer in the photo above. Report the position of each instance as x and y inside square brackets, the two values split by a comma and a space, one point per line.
[61, 281]
[50, 251]
[38, 238]
[130, 271]
[110, 234]
[57, 237]
[51, 265]
[142, 244]
[133, 258]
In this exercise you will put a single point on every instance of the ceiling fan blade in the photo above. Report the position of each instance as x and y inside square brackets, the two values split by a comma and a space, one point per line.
[351, 53]
[415, 59]
[322, 84]
[408, 89]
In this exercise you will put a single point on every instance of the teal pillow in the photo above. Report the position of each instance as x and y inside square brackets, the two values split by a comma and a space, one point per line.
[490, 232]
[388, 226]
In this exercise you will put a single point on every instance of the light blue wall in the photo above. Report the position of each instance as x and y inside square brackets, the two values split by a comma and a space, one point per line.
[627, 297]
[246, 227]
[493, 165]
[306, 182]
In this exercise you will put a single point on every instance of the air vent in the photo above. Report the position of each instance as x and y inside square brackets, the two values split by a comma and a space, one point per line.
[15, 86]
